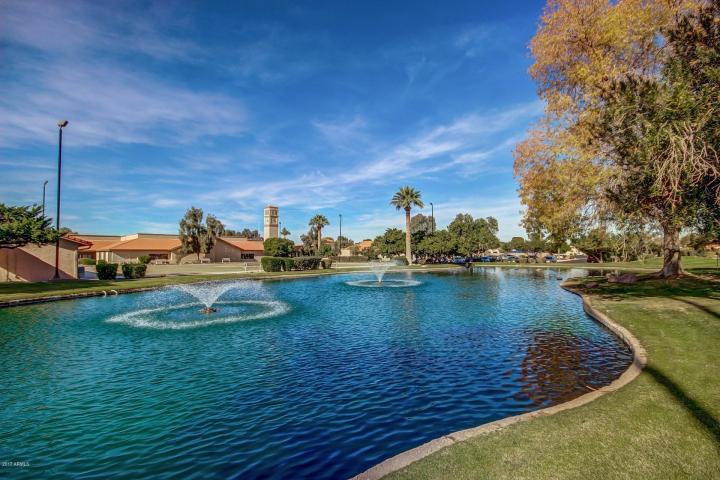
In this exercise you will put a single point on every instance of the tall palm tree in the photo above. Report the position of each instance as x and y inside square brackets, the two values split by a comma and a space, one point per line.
[405, 198]
[285, 232]
[319, 221]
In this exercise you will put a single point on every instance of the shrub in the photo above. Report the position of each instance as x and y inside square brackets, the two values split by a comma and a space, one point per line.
[106, 271]
[350, 259]
[307, 263]
[87, 261]
[326, 263]
[272, 264]
[134, 270]
[144, 259]
[288, 264]
[278, 247]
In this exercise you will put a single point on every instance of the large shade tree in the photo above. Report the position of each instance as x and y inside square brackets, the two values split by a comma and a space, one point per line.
[319, 222]
[197, 237]
[604, 142]
[404, 199]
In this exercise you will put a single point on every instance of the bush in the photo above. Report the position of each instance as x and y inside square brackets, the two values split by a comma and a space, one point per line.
[87, 261]
[350, 259]
[144, 259]
[272, 264]
[307, 263]
[288, 264]
[326, 263]
[134, 270]
[106, 271]
[278, 247]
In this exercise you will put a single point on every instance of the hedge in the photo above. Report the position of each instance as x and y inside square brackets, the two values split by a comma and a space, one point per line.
[144, 259]
[134, 270]
[106, 271]
[87, 261]
[288, 264]
[307, 263]
[272, 264]
[326, 263]
[352, 258]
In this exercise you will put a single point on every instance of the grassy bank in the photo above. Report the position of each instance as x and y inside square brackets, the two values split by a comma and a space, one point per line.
[691, 264]
[37, 290]
[665, 424]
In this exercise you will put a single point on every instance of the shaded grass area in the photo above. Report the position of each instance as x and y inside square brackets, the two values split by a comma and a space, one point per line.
[36, 290]
[665, 424]
[693, 264]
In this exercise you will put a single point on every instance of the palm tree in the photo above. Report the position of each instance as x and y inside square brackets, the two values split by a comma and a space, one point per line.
[285, 232]
[405, 198]
[319, 221]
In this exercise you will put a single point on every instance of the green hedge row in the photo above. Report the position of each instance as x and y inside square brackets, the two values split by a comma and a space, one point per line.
[134, 270]
[286, 264]
[106, 271]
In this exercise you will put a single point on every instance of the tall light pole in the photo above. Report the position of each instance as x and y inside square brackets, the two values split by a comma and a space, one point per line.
[61, 124]
[44, 185]
[340, 236]
[432, 216]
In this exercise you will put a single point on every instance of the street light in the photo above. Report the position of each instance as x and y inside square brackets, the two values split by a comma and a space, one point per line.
[61, 124]
[44, 185]
[340, 236]
[432, 216]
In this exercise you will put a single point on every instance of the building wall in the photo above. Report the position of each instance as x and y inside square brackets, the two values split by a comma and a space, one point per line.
[224, 250]
[131, 256]
[37, 264]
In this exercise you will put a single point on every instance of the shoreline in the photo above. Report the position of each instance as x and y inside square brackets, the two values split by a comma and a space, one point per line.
[639, 362]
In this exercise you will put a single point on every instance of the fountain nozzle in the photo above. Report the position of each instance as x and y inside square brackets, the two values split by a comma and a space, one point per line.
[208, 310]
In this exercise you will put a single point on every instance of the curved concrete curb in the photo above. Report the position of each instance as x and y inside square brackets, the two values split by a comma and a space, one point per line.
[404, 459]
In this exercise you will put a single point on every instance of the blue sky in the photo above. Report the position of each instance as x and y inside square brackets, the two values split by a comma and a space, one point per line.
[317, 107]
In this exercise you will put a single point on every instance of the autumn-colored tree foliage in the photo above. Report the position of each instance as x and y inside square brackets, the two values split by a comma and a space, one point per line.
[586, 52]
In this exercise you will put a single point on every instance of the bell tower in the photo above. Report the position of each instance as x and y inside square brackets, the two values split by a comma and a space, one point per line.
[271, 222]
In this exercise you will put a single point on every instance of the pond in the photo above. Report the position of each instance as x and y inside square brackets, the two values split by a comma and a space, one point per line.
[313, 378]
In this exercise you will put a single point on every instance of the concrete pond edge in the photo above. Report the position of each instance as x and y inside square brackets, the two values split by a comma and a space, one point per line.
[639, 362]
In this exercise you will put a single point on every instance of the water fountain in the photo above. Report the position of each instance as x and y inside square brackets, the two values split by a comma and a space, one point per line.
[379, 269]
[247, 300]
[207, 293]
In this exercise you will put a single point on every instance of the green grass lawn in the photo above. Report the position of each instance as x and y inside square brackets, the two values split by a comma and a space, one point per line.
[663, 425]
[27, 291]
[690, 263]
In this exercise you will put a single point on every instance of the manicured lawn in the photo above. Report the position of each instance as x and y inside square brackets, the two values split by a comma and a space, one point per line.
[665, 424]
[691, 264]
[22, 290]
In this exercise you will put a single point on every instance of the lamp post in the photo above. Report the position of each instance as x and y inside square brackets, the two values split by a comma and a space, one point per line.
[61, 124]
[340, 236]
[432, 216]
[43, 207]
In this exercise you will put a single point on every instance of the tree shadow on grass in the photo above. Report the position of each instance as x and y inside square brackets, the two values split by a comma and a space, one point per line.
[699, 306]
[704, 417]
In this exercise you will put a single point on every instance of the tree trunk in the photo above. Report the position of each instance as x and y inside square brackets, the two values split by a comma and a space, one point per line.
[408, 253]
[319, 231]
[671, 252]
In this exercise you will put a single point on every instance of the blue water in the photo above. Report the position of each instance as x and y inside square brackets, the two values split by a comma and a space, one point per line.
[326, 381]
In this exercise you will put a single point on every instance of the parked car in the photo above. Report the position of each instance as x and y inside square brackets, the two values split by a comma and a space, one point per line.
[550, 259]
[486, 259]
[511, 258]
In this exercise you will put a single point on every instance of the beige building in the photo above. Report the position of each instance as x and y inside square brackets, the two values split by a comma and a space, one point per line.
[236, 249]
[271, 222]
[33, 263]
[127, 248]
